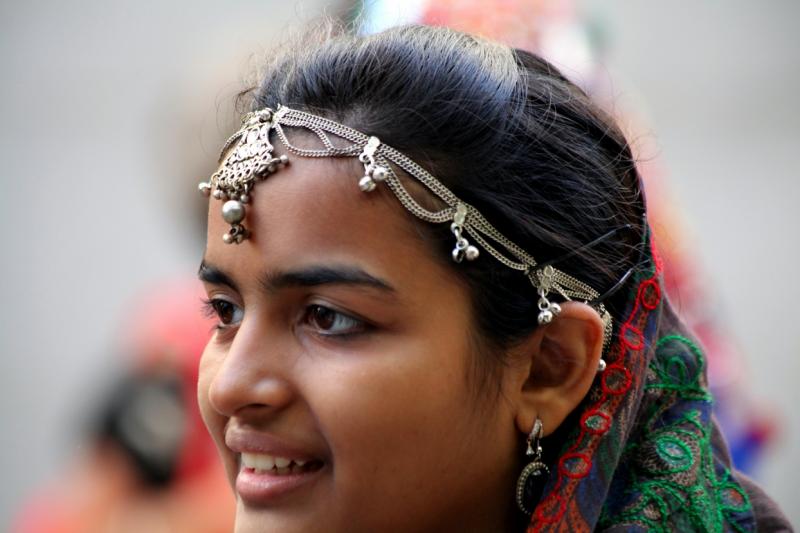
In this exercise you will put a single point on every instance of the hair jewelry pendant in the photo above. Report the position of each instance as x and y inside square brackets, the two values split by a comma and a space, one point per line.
[249, 161]
[373, 173]
[463, 248]
[547, 310]
[533, 477]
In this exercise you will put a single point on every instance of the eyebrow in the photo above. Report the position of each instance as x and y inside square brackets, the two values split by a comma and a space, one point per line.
[310, 276]
[316, 275]
[215, 276]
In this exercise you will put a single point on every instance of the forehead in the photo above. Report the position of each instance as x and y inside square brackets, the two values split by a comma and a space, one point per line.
[313, 211]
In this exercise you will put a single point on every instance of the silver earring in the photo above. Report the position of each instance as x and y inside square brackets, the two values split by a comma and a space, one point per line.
[533, 477]
[601, 366]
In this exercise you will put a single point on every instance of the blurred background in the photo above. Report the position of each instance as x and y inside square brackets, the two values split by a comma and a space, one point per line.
[113, 111]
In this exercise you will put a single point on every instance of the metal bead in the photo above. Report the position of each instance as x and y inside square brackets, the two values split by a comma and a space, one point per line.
[227, 238]
[601, 365]
[545, 316]
[379, 173]
[472, 253]
[460, 215]
[366, 184]
[233, 211]
[204, 188]
[244, 198]
[284, 159]
[555, 308]
[218, 194]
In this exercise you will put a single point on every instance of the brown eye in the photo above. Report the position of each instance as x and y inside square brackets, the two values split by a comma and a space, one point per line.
[227, 312]
[322, 317]
[330, 322]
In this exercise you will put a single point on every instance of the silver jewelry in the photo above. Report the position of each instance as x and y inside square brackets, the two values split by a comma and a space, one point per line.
[547, 310]
[249, 161]
[601, 366]
[373, 173]
[246, 158]
[462, 248]
[535, 473]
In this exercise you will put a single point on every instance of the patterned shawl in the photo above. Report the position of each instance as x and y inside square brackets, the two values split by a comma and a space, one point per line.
[644, 453]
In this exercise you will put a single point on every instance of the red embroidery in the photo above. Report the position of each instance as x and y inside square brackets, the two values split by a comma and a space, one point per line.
[617, 380]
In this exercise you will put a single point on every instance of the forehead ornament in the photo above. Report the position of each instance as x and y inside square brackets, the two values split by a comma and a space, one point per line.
[247, 158]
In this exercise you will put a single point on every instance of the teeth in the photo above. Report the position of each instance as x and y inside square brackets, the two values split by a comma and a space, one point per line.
[258, 461]
[262, 462]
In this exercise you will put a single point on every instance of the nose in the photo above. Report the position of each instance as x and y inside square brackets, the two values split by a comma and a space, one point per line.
[250, 375]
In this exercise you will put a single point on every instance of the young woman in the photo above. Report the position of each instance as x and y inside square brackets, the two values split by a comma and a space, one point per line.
[440, 307]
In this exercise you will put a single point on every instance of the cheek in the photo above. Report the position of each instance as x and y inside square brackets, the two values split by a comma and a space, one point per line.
[396, 422]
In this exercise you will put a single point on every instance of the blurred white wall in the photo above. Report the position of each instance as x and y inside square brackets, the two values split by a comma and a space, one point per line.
[105, 105]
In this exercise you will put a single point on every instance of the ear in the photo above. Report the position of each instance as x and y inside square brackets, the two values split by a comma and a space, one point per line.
[558, 364]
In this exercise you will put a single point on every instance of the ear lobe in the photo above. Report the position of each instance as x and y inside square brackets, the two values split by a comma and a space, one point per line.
[563, 357]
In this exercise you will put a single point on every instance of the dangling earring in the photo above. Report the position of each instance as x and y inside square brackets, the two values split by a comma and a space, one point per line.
[533, 477]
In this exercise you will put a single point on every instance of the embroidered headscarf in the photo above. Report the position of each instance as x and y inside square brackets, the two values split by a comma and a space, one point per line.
[644, 453]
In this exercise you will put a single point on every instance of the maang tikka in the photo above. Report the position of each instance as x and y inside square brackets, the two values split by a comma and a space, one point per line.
[247, 157]
[249, 161]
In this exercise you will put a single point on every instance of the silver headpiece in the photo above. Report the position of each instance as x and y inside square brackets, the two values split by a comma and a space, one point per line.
[249, 159]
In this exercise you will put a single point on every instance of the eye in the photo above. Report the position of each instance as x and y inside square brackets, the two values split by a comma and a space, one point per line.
[228, 313]
[326, 321]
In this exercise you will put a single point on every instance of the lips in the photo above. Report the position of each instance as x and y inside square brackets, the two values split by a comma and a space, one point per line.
[270, 468]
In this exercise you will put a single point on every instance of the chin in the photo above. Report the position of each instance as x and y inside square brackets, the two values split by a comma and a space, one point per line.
[250, 520]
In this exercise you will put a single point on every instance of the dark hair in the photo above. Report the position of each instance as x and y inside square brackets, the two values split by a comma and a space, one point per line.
[500, 127]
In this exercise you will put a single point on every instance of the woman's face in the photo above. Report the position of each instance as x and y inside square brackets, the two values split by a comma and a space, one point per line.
[343, 351]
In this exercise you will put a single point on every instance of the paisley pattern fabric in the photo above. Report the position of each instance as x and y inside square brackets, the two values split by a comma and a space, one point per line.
[645, 455]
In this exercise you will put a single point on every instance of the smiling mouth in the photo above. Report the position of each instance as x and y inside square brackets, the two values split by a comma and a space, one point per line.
[266, 480]
[265, 464]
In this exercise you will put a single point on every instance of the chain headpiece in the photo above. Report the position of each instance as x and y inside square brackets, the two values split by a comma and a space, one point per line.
[246, 158]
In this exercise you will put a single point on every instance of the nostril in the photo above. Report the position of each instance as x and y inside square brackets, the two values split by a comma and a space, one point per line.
[233, 390]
